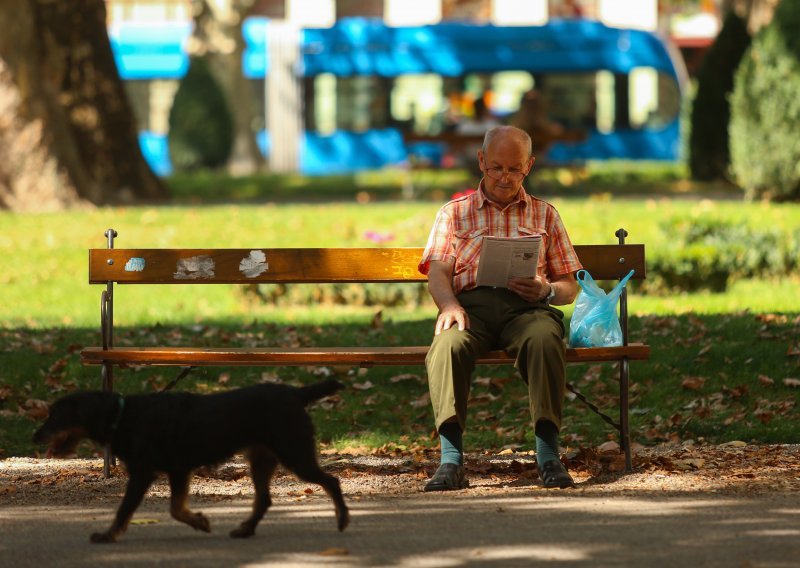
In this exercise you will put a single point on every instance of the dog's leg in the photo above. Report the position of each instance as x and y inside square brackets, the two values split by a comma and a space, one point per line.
[307, 469]
[138, 483]
[179, 494]
[262, 467]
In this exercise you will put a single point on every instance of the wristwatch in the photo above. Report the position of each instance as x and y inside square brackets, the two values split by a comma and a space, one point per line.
[550, 295]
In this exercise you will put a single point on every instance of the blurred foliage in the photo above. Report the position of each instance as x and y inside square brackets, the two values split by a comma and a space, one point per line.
[351, 294]
[709, 155]
[200, 123]
[765, 110]
[709, 253]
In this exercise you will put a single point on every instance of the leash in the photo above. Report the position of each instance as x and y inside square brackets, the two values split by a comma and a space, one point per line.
[185, 371]
[593, 407]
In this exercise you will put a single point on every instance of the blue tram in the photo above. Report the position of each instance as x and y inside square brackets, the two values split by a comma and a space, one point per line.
[376, 96]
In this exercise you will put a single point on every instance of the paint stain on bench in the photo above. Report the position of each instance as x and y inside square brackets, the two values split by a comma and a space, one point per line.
[254, 265]
[135, 264]
[195, 268]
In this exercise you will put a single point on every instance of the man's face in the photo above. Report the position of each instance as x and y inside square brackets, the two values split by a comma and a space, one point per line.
[504, 165]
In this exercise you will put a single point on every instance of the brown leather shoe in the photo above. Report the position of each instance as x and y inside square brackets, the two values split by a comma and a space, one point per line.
[554, 475]
[448, 477]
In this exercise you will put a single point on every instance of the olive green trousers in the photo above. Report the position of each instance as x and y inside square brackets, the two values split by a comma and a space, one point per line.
[499, 319]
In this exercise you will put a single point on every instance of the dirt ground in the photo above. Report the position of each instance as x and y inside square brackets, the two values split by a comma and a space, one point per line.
[733, 468]
[732, 505]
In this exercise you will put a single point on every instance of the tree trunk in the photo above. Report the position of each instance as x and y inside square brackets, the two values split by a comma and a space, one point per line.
[67, 131]
[218, 37]
[756, 13]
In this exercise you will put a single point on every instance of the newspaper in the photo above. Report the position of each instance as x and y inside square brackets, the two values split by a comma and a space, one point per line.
[503, 258]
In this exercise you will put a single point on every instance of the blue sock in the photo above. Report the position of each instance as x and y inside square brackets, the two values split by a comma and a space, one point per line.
[546, 442]
[451, 440]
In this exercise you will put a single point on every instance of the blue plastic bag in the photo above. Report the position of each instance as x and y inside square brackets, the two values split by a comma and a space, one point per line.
[595, 322]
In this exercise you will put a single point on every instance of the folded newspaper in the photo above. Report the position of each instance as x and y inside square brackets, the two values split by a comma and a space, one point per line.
[503, 258]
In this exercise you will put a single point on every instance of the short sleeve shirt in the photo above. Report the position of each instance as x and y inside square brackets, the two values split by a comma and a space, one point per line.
[460, 225]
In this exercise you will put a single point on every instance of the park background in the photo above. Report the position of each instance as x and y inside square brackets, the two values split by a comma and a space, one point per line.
[719, 220]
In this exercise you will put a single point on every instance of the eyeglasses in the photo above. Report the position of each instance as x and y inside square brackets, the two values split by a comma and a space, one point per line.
[500, 173]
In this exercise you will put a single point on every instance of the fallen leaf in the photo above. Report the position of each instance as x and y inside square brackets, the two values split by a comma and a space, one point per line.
[35, 409]
[334, 551]
[765, 416]
[688, 464]
[765, 380]
[366, 385]
[422, 401]
[405, 377]
[733, 444]
[693, 383]
[794, 383]
[608, 447]
[144, 522]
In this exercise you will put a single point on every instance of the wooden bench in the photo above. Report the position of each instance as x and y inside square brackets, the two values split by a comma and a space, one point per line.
[111, 266]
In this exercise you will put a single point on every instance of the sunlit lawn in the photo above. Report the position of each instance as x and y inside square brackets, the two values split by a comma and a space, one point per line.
[48, 306]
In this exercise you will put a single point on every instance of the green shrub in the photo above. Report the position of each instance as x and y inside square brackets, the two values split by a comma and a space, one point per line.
[765, 110]
[709, 155]
[200, 123]
[709, 254]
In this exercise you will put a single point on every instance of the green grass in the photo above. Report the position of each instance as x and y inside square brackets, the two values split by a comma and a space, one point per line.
[45, 277]
[726, 355]
[727, 340]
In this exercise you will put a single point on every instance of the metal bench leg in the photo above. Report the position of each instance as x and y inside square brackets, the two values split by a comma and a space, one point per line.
[624, 430]
[108, 386]
[107, 333]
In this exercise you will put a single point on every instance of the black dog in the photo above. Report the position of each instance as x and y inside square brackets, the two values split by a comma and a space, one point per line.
[174, 433]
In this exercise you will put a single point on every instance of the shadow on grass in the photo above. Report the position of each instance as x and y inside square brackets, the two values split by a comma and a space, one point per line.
[711, 378]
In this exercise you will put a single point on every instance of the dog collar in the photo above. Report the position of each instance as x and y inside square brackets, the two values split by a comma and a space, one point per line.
[118, 417]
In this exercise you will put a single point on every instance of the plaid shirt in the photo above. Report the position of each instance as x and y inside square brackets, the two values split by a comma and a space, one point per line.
[457, 234]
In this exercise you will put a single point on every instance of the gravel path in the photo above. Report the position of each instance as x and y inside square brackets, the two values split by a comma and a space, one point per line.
[732, 505]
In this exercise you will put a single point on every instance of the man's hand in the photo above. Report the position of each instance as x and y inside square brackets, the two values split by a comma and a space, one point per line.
[440, 284]
[450, 316]
[530, 289]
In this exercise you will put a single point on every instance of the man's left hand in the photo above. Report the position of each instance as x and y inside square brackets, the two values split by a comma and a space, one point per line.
[530, 289]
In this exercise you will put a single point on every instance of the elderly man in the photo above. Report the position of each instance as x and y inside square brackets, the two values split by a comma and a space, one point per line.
[519, 319]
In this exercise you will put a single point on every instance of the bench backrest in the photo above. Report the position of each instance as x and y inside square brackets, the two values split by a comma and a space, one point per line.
[309, 265]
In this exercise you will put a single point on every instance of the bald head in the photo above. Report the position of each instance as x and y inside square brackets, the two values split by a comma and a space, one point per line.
[508, 133]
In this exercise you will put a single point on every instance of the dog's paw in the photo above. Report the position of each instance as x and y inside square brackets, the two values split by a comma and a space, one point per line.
[103, 538]
[244, 531]
[200, 522]
[342, 520]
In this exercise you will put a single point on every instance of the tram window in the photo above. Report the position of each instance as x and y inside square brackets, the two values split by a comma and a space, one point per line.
[324, 103]
[571, 98]
[507, 90]
[359, 102]
[604, 98]
[417, 103]
[643, 95]
[654, 98]
[355, 104]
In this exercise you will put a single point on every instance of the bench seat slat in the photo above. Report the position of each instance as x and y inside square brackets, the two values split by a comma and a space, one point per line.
[366, 356]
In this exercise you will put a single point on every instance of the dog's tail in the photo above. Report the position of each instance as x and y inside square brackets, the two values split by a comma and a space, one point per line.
[319, 390]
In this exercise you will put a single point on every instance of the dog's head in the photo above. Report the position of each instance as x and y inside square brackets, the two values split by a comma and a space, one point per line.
[72, 418]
